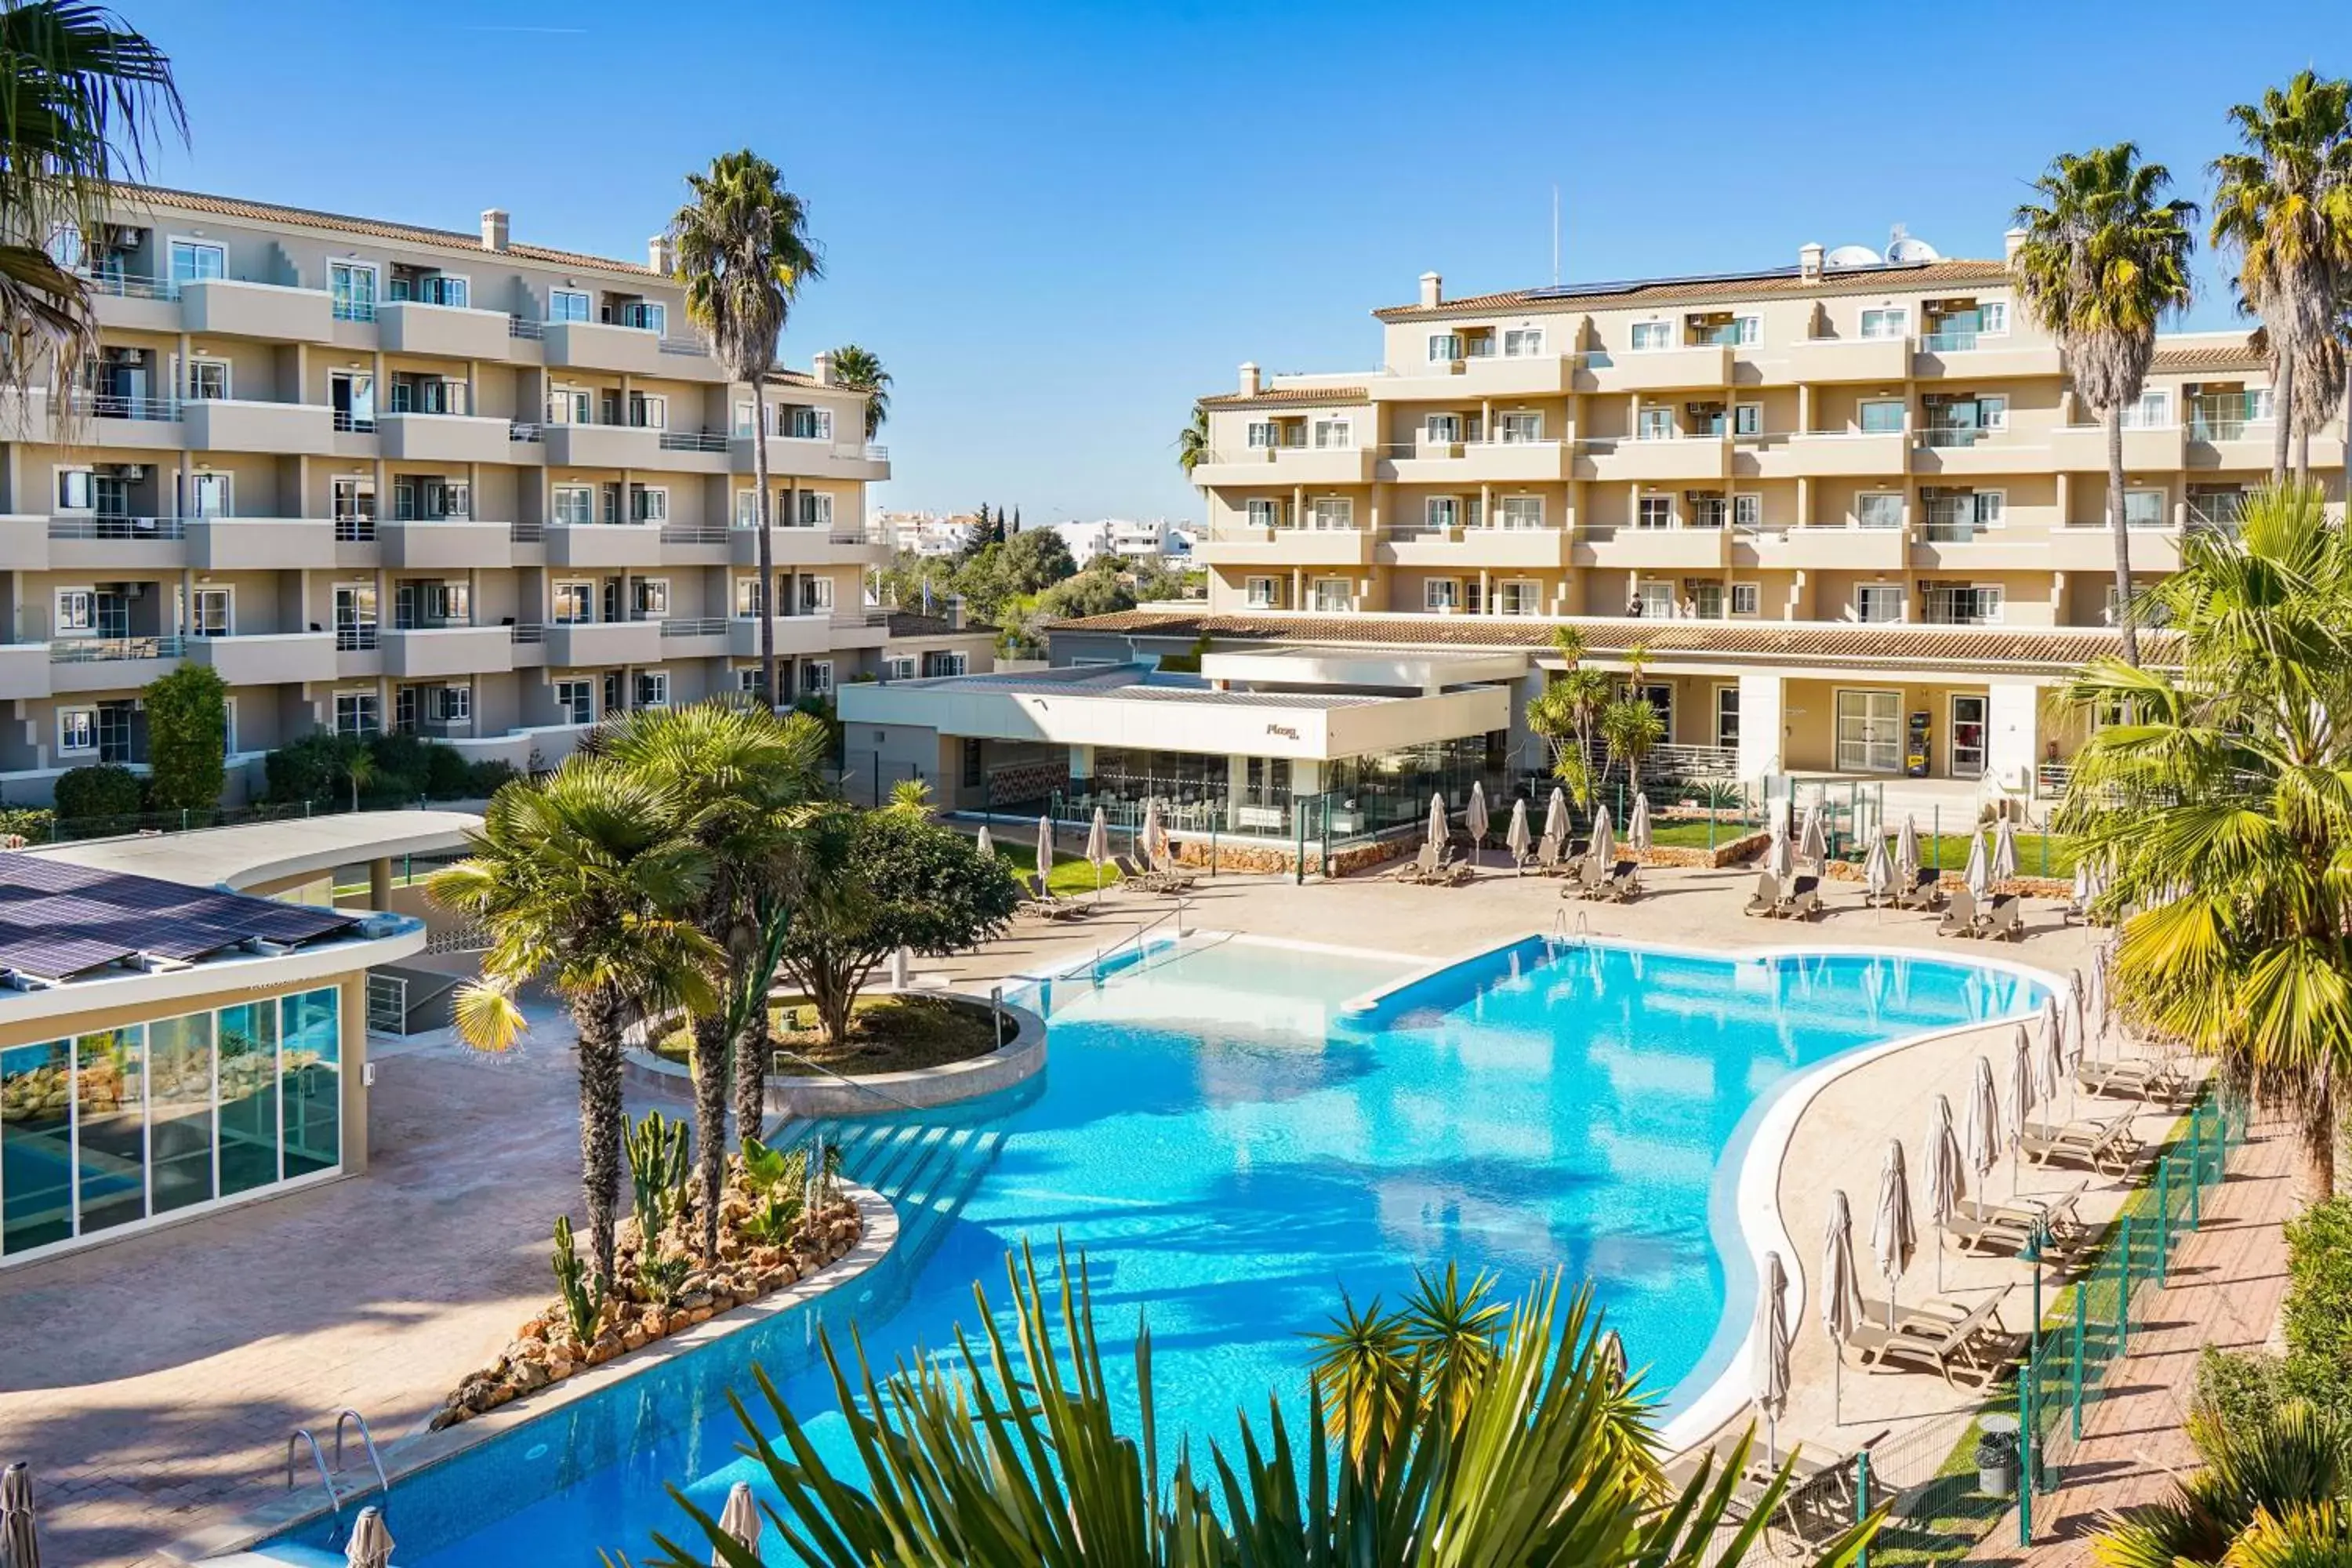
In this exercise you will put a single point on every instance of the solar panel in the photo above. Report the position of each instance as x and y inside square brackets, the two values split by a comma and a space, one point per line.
[58, 919]
[57, 957]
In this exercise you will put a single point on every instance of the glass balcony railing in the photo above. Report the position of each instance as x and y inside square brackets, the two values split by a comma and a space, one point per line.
[1959, 341]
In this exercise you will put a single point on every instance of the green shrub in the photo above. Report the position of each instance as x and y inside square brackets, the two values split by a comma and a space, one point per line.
[310, 768]
[2317, 1312]
[187, 738]
[27, 822]
[447, 776]
[484, 780]
[104, 790]
[2238, 1388]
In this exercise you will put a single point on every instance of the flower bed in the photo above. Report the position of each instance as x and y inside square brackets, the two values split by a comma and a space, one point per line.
[2028, 887]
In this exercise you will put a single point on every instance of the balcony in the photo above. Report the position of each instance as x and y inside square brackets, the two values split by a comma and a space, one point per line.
[2090, 547]
[1879, 360]
[1840, 454]
[260, 544]
[266, 658]
[1958, 546]
[233, 308]
[1475, 549]
[603, 544]
[807, 635]
[1700, 365]
[573, 644]
[109, 664]
[690, 637]
[445, 438]
[445, 332]
[1482, 462]
[1286, 466]
[237, 425]
[24, 543]
[1821, 548]
[599, 346]
[23, 670]
[1979, 357]
[132, 304]
[425, 652]
[1483, 375]
[441, 544]
[599, 445]
[2082, 448]
[1660, 460]
[1239, 544]
[808, 547]
[792, 456]
[1962, 452]
[139, 424]
[116, 545]
[1654, 549]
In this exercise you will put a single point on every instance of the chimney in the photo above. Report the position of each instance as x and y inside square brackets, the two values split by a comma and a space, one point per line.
[658, 257]
[1809, 262]
[821, 367]
[1249, 379]
[1432, 291]
[494, 229]
[955, 611]
[2010, 244]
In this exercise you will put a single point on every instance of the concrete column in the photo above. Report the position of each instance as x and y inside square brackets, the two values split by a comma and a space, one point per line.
[2066, 498]
[380, 882]
[1305, 776]
[1082, 762]
[2013, 733]
[1762, 726]
[1804, 406]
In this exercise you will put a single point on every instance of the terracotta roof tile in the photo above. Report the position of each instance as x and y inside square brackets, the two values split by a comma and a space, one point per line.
[912, 624]
[2033, 649]
[1672, 290]
[1286, 396]
[2207, 359]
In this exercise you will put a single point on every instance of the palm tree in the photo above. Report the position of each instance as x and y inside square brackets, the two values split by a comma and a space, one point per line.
[861, 370]
[746, 784]
[1632, 730]
[1192, 442]
[2103, 258]
[1009, 1451]
[2284, 205]
[743, 251]
[83, 97]
[2219, 798]
[2270, 1493]
[582, 878]
[1566, 714]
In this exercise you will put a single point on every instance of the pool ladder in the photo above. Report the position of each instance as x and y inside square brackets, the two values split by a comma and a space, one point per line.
[1562, 933]
[336, 1497]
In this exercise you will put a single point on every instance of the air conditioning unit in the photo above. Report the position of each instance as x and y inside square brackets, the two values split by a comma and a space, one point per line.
[132, 472]
[126, 356]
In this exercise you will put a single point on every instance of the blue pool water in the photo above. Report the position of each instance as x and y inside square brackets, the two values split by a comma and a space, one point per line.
[1231, 1147]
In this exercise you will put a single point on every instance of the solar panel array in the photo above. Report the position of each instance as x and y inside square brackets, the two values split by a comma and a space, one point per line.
[59, 920]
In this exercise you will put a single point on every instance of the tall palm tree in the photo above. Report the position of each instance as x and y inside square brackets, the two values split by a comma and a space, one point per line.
[2223, 799]
[745, 784]
[1009, 1451]
[583, 878]
[81, 98]
[1566, 714]
[1632, 729]
[2285, 206]
[1192, 442]
[861, 370]
[2105, 257]
[2273, 1493]
[742, 251]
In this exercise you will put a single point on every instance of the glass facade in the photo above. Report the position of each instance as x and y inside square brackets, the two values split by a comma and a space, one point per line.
[133, 1124]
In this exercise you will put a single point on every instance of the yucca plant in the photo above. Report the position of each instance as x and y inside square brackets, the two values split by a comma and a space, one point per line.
[1011, 1454]
[2270, 1494]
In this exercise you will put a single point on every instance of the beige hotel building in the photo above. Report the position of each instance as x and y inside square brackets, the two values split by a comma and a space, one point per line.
[390, 477]
[1853, 507]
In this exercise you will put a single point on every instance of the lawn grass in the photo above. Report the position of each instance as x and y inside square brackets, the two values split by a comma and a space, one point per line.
[887, 1034]
[1694, 834]
[1949, 852]
[1072, 875]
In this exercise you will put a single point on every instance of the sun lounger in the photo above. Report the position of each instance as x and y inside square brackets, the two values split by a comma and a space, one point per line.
[2053, 1233]
[1925, 892]
[1546, 858]
[1766, 900]
[1622, 881]
[2154, 1082]
[1959, 915]
[2005, 918]
[1934, 1314]
[1458, 873]
[1170, 876]
[1970, 1353]
[1804, 898]
[2107, 1147]
[1816, 1507]
[1422, 867]
[1046, 904]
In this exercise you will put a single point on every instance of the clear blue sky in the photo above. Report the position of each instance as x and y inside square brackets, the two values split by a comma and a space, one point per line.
[1058, 224]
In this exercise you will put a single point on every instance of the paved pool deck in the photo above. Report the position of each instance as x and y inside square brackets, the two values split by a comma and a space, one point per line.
[152, 1383]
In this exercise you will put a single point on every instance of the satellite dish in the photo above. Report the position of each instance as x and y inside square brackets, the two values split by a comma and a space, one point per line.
[1906, 249]
[1851, 256]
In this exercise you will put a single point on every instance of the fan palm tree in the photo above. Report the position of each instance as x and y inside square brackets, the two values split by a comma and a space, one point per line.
[746, 784]
[1016, 1456]
[2105, 257]
[2274, 1493]
[1567, 713]
[2284, 205]
[1632, 729]
[860, 370]
[2223, 799]
[1192, 442]
[583, 878]
[743, 252]
[81, 98]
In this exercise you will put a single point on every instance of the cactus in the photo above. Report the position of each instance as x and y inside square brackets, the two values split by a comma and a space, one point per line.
[583, 1297]
[657, 1168]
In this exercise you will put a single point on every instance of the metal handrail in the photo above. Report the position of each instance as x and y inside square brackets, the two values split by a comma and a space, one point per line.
[104, 525]
[319, 1458]
[693, 441]
[1141, 930]
[367, 1441]
[694, 627]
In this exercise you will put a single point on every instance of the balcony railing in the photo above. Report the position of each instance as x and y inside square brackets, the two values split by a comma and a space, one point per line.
[1960, 341]
[133, 528]
[101, 650]
[109, 405]
[682, 346]
[354, 424]
[519, 430]
[2220, 513]
[1954, 435]
[354, 529]
[2224, 416]
[695, 626]
[524, 327]
[525, 534]
[127, 286]
[694, 441]
[1949, 530]
[355, 310]
[683, 533]
[528, 632]
[357, 638]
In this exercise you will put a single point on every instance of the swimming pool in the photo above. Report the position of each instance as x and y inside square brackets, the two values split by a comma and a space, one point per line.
[1231, 1141]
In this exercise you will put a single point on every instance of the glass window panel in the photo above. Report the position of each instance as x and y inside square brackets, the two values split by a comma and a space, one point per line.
[311, 1082]
[36, 1146]
[112, 1146]
[180, 1110]
[248, 1098]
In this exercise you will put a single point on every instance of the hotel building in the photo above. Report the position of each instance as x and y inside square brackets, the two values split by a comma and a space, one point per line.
[387, 478]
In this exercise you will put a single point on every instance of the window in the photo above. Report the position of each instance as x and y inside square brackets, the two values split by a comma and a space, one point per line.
[1444, 347]
[1988, 508]
[74, 490]
[574, 505]
[817, 509]
[575, 604]
[1335, 512]
[1654, 600]
[357, 713]
[569, 305]
[208, 379]
[648, 503]
[351, 395]
[1654, 425]
[575, 701]
[1258, 594]
[1441, 429]
[1879, 602]
[2152, 412]
[648, 411]
[650, 598]
[1748, 510]
[76, 612]
[816, 678]
[811, 424]
[1331, 594]
[748, 597]
[1708, 509]
[974, 762]
[1440, 512]
[1263, 434]
[2144, 509]
[653, 688]
[1707, 601]
[747, 508]
[1747, 419]
[1750, 331]
[1653, 512]
[1331, 434]
[1519, 427]
[1440, 594]
[76, 729]
[1518, 597]
[1747, 599]
[208, 494]
[569, 406]
[643, 314]
[1882, 417]
[1891, 323]
[1522, 342]
[1992, 318]
[213, 614]
[1519, 511]
[1650, 335]
[899, 666]
[448, 604]
[449, 704]
[1263, 512]
[1961, 604]
[1879, 509]
[1726, 713]
[816, 596]
[193, 261]
[614, 688]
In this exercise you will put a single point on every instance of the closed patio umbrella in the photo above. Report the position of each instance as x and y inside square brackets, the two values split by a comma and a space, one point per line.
[1153, 832]
[1906, 851]
[1604, 841]
[20, 1546]
[2004, 850]
[1556, 818]
[2021, 1102]
[1977, 876]
[1814, 845]
[1099, 848]
[1438, 820]
[2050, 1051]
[371, 1543]
[2096, 1024]
[1892, 1236]
[1779, 852]
[1637, 828]
[1474, 816]
[984, 844]
[2082, 885]
[1878, 874]
[1045, 854]
[1769, 1372]
[1840, 1292]
[1983, 1140]
[1516, 840]
[1945, 1182]
[740, 1520]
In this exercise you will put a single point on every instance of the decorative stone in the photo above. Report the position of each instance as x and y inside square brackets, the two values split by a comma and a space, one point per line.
[634, 1337]
[697, 1315]
[676, 1322]
[532, 1375]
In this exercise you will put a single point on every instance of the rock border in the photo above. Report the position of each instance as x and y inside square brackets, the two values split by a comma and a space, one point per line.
[920, 1088]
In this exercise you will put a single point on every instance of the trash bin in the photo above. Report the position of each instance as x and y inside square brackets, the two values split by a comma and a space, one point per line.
[1996, 1457]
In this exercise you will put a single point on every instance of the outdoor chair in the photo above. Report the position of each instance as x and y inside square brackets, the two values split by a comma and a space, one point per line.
[2107, 1147]
[1619, 883]
[1045, 902]
[1804, 899]
[2005, 919]
[1765, 899]
[1959, 915]
[1925, 892]
[1971, 1354]
[1547, 855]
[1422, 867]
[1987, 1230]
[1816, 1507]
[2138, 1077]
[1457, 873]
